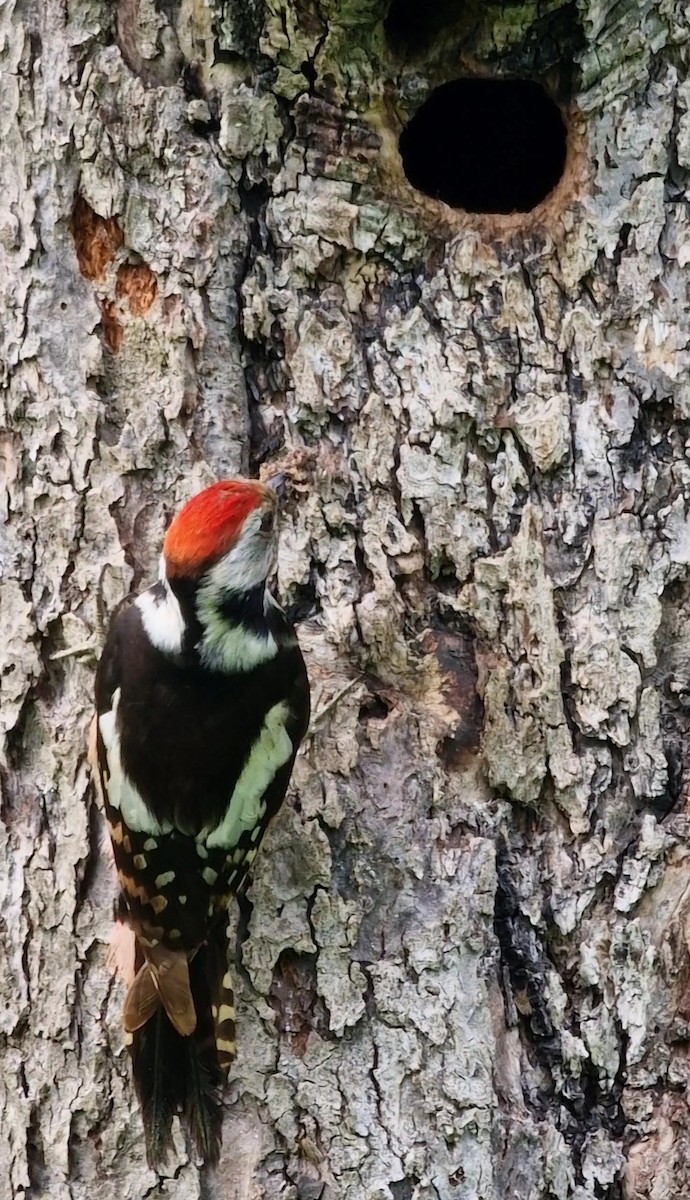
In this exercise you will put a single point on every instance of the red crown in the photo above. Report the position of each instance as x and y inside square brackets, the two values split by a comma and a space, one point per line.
[209, 523]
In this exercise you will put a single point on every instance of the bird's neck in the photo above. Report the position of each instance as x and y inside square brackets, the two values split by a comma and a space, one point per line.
[230, 631]
[201, 604]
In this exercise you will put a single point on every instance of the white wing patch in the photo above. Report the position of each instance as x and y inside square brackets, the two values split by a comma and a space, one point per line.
[269, 753]
[122, 793]
[162, 620]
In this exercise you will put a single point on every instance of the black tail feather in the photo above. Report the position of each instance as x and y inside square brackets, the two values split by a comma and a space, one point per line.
[155, 1053]
[203, 1108]
[176, 1074]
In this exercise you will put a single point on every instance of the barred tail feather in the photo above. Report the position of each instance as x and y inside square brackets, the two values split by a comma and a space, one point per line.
[222, 998]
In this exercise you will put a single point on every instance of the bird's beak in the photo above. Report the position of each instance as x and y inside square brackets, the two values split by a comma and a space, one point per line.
[278, 484]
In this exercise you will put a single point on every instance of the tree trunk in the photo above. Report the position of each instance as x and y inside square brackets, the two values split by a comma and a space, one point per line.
[462, 963]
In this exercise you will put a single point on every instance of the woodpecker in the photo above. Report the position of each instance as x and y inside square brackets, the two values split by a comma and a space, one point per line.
[202, 699]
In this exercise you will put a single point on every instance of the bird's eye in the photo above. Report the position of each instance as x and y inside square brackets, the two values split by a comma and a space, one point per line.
[267, 522]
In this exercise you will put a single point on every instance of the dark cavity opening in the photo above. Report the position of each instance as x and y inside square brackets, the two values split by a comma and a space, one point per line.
[486, 145]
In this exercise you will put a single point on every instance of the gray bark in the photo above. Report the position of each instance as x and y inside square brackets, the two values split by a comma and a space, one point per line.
[463, 968]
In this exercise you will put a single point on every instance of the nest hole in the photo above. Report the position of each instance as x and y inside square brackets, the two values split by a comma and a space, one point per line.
[486, 145]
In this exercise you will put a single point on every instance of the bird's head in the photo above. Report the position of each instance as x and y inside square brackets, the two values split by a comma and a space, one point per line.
[226, 535]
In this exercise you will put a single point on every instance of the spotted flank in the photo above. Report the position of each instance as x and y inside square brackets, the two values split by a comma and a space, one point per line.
[171, 891]
[172, 881]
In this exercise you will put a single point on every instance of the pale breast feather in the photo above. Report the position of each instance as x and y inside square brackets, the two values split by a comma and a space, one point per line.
[231, 648]
[271, 751]
[122, 794]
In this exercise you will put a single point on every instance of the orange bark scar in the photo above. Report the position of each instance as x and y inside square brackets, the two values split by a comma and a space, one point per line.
[113, 332]
[137, 283]
[96, 240]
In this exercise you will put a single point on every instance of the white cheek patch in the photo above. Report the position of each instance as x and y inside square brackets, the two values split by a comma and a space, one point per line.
[162, 620]
[122, 793]
[269, 753]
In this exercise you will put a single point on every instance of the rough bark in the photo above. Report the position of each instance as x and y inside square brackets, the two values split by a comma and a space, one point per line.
[462, 965]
